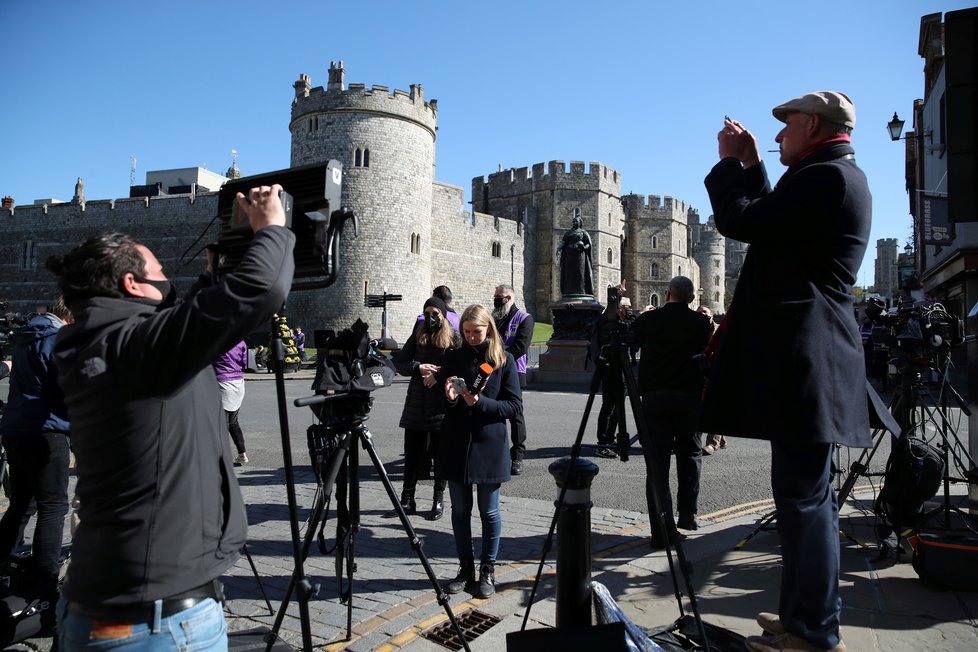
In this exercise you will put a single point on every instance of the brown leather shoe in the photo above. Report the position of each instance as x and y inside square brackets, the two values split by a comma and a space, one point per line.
[770, 623]
[787, 643]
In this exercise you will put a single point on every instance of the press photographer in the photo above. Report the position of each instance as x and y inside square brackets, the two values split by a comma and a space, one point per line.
[670, 380]
[613, 329]
[161, 512]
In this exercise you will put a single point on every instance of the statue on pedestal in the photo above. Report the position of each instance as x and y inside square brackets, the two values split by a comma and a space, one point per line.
[574, 258]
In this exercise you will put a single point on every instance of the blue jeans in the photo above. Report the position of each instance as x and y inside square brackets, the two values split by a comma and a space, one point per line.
[492, 523]
[201, 628]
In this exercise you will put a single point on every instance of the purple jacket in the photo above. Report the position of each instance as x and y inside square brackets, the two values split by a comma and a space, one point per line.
[231, 365]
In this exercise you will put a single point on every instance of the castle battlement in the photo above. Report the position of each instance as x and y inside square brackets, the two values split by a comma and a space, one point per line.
[116, 208]
[671, 207]
[548, 176]
[336, 97]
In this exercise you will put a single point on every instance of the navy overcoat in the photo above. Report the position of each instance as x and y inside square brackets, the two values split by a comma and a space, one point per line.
[790, 364]
[474, 443]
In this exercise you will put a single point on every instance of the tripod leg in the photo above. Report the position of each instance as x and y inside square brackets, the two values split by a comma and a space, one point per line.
[764, 522]
[254, 570]
[367, 441]
[333, 467]
[624, 369]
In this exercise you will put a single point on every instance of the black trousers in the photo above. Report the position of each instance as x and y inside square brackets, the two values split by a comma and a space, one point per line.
[419, 449]
[237, 436]
[612, 390]
[517, 430]
[38, 467]
[671, 417]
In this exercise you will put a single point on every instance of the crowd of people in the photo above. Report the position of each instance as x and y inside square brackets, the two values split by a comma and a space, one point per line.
[145, 391]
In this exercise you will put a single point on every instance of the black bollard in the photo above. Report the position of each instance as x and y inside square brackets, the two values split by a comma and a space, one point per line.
[574, 541]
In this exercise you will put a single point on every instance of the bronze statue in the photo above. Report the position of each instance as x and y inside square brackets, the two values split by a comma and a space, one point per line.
[574, 255]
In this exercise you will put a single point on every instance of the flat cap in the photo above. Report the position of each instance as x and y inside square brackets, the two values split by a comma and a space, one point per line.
[830, 105]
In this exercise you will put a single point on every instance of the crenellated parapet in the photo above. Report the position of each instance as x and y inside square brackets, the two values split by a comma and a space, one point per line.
[658, 207]
[554, 175]
[337, 98]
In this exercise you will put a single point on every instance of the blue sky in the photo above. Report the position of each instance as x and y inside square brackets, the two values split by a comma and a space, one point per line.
[638, 86]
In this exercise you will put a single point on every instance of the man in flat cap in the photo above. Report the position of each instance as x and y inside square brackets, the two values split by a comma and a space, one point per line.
[789, 367]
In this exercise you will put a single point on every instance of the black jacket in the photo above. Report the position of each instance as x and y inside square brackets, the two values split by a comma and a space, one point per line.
[424, 407]
[790, 364]
[36, 403]
[669, 337]
[161, 511]
[474, 444]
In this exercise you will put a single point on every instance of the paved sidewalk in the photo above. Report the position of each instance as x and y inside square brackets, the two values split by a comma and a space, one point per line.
[886, 607]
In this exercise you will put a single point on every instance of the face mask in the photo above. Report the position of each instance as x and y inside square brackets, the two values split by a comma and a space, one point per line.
[166, 288]
[432, 322]
[498, 302]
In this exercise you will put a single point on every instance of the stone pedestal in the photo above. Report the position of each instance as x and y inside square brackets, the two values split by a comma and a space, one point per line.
[567, 360]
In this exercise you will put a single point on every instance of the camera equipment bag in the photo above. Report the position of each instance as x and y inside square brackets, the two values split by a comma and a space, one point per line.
[946, 561]
[913, 475]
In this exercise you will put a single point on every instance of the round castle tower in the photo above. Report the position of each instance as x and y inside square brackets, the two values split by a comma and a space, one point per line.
[709, 251]
[386, 143]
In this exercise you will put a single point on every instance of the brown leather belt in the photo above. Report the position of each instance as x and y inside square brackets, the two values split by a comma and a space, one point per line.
[143, 611]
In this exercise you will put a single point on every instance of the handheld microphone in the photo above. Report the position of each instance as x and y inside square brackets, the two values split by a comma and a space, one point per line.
[480, 380]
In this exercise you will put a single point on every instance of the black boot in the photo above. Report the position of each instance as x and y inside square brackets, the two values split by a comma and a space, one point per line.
[438, 502]
[466, 576]
[407, 502]
[487, 579]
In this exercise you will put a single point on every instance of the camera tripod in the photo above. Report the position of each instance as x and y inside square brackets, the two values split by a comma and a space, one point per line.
[913, 407]
[350, 433]
[613, 367]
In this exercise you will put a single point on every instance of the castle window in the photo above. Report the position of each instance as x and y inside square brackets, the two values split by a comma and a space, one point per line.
[716, 262]
[519, 228]
[361, 157]
[680, 270]
[497, 250]
[716, 280]
[654, 270]
[716, 297]
[655, 242]
[609, 218]
[28, 257]
[314, 123]
[415, 243]
[654, 300]
[609, 256]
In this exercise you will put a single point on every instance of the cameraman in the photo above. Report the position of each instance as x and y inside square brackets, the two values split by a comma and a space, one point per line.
[612, 387]
[161, 512]
[671, 381]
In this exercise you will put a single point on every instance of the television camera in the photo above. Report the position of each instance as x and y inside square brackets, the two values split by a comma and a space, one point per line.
[916, 330]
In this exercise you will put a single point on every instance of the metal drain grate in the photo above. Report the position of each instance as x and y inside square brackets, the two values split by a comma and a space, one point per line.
[473, 624]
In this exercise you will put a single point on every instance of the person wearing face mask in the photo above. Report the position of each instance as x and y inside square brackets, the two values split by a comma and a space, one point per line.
[515, 326]
[473, 444]
[161, 513]
[425, 406]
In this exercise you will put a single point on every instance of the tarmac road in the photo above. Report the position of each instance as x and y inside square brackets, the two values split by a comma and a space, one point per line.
[735, 480]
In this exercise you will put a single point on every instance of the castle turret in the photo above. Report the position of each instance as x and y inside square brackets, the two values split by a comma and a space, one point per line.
[386, 143]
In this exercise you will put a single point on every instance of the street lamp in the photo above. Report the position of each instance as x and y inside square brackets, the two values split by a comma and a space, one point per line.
[895, 127]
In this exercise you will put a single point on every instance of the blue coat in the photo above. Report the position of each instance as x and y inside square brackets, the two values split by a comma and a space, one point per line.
[474, 443]
[790, 362]
[36, 403]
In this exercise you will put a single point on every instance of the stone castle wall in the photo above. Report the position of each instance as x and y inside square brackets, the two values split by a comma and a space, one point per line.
[167, 225]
